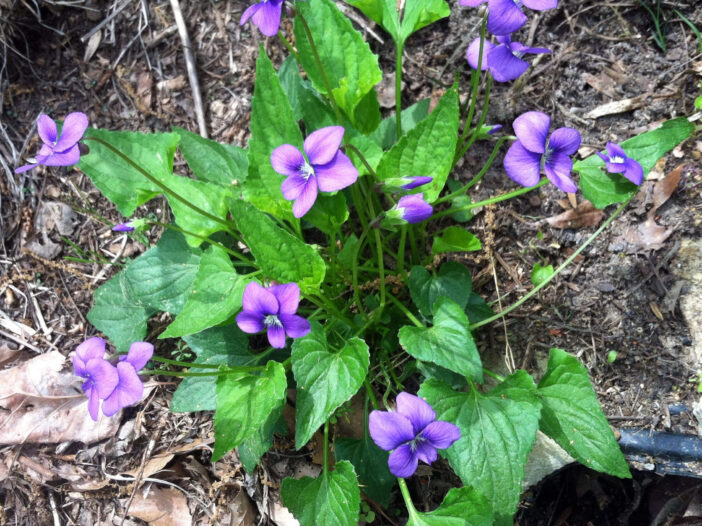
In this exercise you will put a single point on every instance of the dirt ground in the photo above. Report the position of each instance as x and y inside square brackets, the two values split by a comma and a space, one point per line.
[130, 74]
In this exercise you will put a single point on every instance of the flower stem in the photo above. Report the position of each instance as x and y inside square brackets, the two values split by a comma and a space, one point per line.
[326, 446]
[483, 115]
[358, 153]
[556, 272]
[227, 224]
[475, 83]
[371, 394]
[408, 501]
[288, 45]
[401, 251]
[492, 200]
[185, 364]
[399, 45]
[318, 61]
[411, 317]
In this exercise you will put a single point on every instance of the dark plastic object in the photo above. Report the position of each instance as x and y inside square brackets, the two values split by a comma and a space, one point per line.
[665, 446]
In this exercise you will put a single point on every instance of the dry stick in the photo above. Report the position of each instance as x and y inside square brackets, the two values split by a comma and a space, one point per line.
[190, 64]
[107, 20]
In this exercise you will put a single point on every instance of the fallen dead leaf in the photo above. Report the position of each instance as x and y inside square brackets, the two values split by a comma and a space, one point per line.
[152, 466]
[664, 188]
[160, 507]
[241, 511]
[41, 404]
[585, 214]
[143, 90]
[602, 83]
[648, 235]
[282, 516]
[7, 354]
[617, 106]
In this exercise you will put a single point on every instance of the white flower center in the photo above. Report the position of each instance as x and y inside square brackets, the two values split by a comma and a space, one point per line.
[307, 170]
[616, 160]
[272, 320]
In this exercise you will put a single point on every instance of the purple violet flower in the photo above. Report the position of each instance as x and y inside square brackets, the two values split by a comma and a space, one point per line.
[272, 309]
[129, 388]
[58, 151]
[534, 150]
[265, 15]
[412, 433]
[504, 60]
[619, 162]
[415, 181]
[123, 227]
[101, 377]
[505, 16]
[412, 208]
[323, 167]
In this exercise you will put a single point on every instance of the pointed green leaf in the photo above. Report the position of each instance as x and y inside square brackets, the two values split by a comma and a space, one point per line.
[117, 315]
[498, 430]
[119, 181]
[604, 189]
[215, 296]
[573, 417]
[371, 465]
[162, 277]
[332, 498]
[253, 448]
[210, 197]
[329, 212]
[427, 149]
[460, 507]
[273, 124]
[421, 13]
[385, 134]
[351, 68]
[217, 346]
[280, 255]
[448, 343]
[211, 161]
[244, 403]
[478, 309]
[453, 281]
[455, 239]
[325, 379]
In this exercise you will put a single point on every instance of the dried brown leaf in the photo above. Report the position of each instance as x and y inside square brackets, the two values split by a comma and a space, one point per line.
[152, 466]
[160, 507]
[664, 188]
[617, 106]
[41, 404]
[648, 235]
[602, 82]
[585, 214]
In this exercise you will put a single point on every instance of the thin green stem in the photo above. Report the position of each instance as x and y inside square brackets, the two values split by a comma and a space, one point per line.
[413, 244]
[398, 87]
[320, 67]
[354, 273]
[493, 375]
[492, 200]
[413, 514]
[381, 270]
[371, 394]
[358, 204]
[478, 177]
[288, 45]
[227, 224]
[326, 446]
[185, 364]
[401, 250]
[411, 317]
[556, 272]
[183, 374]
[475, 83]
[358, 153]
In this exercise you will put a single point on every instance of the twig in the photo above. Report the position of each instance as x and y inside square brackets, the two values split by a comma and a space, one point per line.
[190, 64]
[107, 20]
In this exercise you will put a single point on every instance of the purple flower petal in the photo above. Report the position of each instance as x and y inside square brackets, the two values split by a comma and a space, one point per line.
[336, 174]
[471, 3]
[633, 171]
[93, 404]
[103, 375]
[276, 336]
[389, 430]
[123, 227]
[258, 300]
[558, 170]
[564, 140]
[128, 391]
[426, 452]
[267, 18]
[473, 53]
[74, 127]
[504, 17]
[46, 127]
[293, 186]
[322, 145]
[614, 150]
[441, 434]
[416, 181]
[615, 168]
[504, 65]
[522, 166]
[67, 158]
[91, 348]
[418, 411]
[25, 168]
[251, 11]
[414, 208]
[531, 128]
[288, 296]
[295, 326]
[287, 160]
[249, 322]
[139, 354]
[306, 199]
[403, 462]
[540, 5]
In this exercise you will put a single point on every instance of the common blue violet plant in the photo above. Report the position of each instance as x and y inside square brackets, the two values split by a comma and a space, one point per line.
[58, 150]
[412, 433]
[363, 292]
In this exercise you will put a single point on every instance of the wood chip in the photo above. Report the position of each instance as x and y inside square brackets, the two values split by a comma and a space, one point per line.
[617, 106]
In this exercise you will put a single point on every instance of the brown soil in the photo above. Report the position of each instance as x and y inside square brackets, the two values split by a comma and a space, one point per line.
[617, 297]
